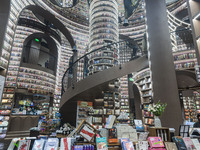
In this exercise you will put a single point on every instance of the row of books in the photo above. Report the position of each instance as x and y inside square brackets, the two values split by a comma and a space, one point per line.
[4, 112]
[149, 121]
[142, 75]
[14, 63]
[185, 65]
[32, 86]
[183, 47]
[36, 77]
[41, 73]
[24, 80]
[7, 47]
[185, 56]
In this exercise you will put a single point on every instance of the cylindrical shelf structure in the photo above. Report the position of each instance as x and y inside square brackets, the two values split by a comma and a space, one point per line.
[103, 28]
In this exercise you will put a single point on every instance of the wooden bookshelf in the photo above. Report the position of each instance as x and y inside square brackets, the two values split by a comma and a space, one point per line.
[162, 132]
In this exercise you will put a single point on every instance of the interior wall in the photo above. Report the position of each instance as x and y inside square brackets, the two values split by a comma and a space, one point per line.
[4, 14]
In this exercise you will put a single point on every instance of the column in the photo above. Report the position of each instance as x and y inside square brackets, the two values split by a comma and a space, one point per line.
[164, 81]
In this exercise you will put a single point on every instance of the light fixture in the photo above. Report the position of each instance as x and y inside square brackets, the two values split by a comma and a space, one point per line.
[37, 40]
[125, 22]
[131, 79]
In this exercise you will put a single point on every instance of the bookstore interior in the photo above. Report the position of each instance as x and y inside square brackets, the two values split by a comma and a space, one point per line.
[100, 74]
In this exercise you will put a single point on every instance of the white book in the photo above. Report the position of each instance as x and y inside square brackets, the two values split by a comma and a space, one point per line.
[52, 143]
[196, 143]
[12, 143]
[143, 145]
[110, 121]
[24, 144]
[38, 144]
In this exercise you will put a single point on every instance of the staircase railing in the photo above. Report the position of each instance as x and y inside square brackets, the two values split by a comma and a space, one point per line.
[126, 50]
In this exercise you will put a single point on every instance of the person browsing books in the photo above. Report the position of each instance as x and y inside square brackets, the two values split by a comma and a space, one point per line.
[197, 124]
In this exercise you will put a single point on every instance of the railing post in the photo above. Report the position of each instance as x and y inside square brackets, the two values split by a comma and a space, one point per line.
[72, 74]
[74, 58]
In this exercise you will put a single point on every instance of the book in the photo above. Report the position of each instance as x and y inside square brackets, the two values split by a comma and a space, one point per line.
[113, 135]
[52, 144]
[188, 143]
[179, 142]
[143, 145]
[12, 143]
[124, 140]
[138, 125]
[127, 146]
[64, 144]
[101, 143]
[110, 121]
[38, 144]
[143, 136]
[87, 133]
[24, 145]
[156, 142]
[156, 148]
[196, 143]
[170, 146]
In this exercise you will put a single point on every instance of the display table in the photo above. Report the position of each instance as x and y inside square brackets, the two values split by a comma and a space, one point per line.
[111, 146]
[162, 132]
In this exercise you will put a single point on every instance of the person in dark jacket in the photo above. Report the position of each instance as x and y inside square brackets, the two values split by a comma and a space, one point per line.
[197, 124]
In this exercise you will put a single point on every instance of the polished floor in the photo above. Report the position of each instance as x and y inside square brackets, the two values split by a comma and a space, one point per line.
[4, 144]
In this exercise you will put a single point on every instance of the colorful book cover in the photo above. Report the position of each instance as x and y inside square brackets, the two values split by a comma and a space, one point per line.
[101, 143]
[124, 140]
[188, 143]
[156, 142]
[156, 148]
[196, 143]
[179, 142]
[170, 146]
[24, 145]
[127, 146]
[138, 125]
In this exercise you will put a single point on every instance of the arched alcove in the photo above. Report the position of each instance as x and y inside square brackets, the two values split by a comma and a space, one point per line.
[40, 50]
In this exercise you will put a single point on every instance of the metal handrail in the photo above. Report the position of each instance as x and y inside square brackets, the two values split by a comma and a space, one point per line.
[84, 56]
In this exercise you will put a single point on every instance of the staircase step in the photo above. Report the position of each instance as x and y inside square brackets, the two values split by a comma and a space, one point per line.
[15, 134]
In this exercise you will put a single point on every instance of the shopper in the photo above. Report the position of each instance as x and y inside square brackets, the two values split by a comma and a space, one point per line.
[47, 64]
[197, 124]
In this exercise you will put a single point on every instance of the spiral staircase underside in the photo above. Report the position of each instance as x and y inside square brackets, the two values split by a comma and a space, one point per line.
[91, 87]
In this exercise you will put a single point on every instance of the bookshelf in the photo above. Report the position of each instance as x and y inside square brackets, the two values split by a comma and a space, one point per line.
[143, 81]
[197, 101]
[190, 111]
[194, 13]
[83, 109]
[123, 90]
[108, 105]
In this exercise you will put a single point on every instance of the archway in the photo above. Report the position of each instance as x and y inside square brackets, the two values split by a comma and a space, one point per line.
[40, 49]
[51, 18]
